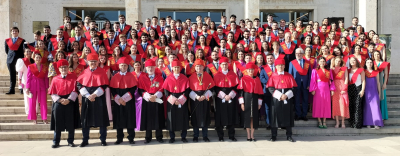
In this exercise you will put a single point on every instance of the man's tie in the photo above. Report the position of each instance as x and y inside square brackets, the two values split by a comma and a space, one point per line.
[162, 29]
[78, 39]
[179, 29]
[111, 41]
[147, 29]
[275, 33]
[269, 39]
[14, 39]
[224, 26]
[272, 68]
[301, 64]
[144, 46]
[216, 66]
[247, 42]
[352, 38]
[123, 47]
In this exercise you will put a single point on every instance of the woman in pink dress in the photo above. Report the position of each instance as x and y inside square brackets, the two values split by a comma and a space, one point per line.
[36, 86]
[322, 88]
[340, 99]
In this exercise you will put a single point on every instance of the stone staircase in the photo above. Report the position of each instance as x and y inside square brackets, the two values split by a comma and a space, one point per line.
[15, 126]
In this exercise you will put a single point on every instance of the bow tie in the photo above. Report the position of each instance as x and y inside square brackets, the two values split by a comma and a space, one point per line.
[63, 76]
[198, 75]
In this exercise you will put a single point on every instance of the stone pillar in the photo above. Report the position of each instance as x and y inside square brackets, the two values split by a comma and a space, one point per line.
[10, 16]
[133, 11]
[368, 14]
[251, 9]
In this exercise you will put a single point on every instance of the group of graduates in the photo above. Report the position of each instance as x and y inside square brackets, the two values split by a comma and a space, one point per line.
[154, 77]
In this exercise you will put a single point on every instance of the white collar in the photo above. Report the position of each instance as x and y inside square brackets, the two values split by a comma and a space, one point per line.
[122, 73]
[281, 73]
[153, 75]
[176, 76]
[225, 72]
[63, 75]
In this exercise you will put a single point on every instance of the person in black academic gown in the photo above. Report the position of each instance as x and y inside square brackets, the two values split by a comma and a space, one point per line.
[123, 88]
[201, 85]
[282, 87]
[176, 88]
[152, 117]
[250, 99]
[63, 93]
[226, 100]
[92, 84]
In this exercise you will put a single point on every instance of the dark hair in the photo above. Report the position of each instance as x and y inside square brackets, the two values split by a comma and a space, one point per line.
[46, 26]
[233, 15]
[326, 64]
[121, 16]
[37, 32]
[337, 47]
[365, 64]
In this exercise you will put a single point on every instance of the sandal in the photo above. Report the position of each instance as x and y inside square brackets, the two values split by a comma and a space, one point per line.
[324, 125]
[320, 126]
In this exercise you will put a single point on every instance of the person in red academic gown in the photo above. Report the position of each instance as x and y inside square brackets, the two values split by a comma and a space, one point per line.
[226, 100]
[250, 98]
[176, 88]
[92, 84]
[201, 85]
[152, 117]
[123, 88]
[282, 87]
[65, 111]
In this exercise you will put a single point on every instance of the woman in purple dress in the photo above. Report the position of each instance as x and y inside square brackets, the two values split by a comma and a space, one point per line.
[322, 88]
[138, 98]
[372, 112]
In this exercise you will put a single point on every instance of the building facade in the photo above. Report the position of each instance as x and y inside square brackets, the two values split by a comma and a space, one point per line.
[379, 15]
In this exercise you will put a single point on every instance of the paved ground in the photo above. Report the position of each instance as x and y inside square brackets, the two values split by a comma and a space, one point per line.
[305, 145]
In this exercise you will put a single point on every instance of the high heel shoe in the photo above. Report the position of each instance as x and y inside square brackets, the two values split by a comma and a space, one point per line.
[248, 140]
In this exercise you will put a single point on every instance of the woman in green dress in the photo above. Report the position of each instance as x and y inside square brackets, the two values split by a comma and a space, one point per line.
[383, 69]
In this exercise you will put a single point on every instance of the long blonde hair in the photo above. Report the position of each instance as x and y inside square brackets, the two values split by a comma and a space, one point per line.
[83, 56]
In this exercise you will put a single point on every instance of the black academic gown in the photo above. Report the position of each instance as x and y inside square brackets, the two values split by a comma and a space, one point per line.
[124, 116]
[94, 114]
[281, 114]
[226, 113]
[200, 110]
[152, 117]
[251, 91]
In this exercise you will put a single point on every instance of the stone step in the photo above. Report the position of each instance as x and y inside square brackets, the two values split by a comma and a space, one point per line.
[393, 105]
[16, 110]
[394, 81]
[261, 133]
[22, 124]
[20, 118]
[15, 97]
[393, 87]
[394, 75]
[391, 99]
[29, 126]
[393, 93]
[5, 89]
[17, 103]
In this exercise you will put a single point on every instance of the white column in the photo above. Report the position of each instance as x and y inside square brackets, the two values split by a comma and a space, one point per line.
[251, 9]
[133, 11]
[368, 14]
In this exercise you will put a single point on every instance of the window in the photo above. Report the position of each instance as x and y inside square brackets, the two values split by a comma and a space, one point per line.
[183, 15]
[288, 16]
[100, 16]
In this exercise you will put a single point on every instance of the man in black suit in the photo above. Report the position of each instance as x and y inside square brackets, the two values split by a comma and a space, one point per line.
[14, 48]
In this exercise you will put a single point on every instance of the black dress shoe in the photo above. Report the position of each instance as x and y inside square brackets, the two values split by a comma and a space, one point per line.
[160, 140]
[291, 139]
[147, 141]
[195, 139]
[171, 141]
[71, 145]
[10, 92]
[248, 140]
[304, 118]
[131, 142]
[184, 140]
[83, 144]
[272, 139]
[268, 127]
[296, 118]
[103, 143]
[233, 138]
[221, 139]
[253, 139]
[206, 139]
[21, 91]
[55, 145]
[118, 142]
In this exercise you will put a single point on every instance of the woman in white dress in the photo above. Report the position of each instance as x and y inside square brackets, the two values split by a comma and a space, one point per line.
[22, 68]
